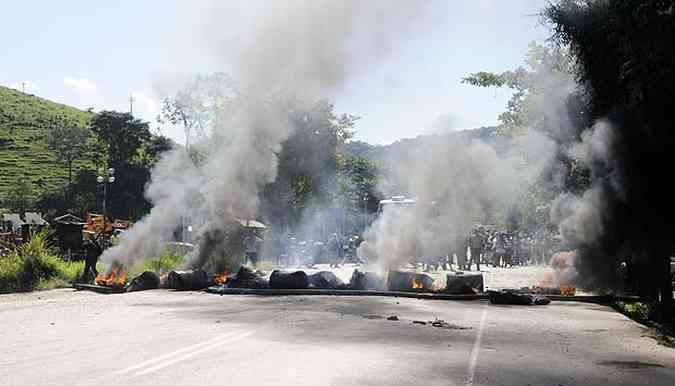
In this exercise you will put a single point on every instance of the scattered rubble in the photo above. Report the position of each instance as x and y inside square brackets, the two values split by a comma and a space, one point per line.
[440, 323]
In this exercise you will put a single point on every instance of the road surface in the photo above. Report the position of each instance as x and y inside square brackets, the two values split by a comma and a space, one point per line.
[160, 337]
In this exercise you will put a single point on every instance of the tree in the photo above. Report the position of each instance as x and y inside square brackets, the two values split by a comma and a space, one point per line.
[545, 100]
[20, 197]
[198, 106]
[357, 190]
[308, 164]
[121, 135]
[625, 60]
[122, 139]
[542, 89]
[69, 143]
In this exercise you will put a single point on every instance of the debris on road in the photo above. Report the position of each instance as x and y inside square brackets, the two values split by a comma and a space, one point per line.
[187, 280]
[246, 278]
[440, 323]
[325, 280]
[464, 283]
[409, 281]
[286, 280]
[146, 281]
[366, 281]
[516, 297]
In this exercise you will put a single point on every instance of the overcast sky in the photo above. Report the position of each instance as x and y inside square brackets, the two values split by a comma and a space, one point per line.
[97, 53]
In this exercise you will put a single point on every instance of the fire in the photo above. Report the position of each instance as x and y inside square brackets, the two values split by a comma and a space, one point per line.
[548, 281]
[568, 290]
[222, 278]
[415, 284]
[560, 274]
[117, 276]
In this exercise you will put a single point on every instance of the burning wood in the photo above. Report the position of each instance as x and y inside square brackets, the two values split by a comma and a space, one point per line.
[115, 277]
[221, 278]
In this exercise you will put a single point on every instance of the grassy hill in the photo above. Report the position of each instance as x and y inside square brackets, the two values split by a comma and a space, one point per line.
[24, 154]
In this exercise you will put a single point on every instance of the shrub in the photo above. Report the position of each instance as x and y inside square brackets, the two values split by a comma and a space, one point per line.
[169, 260]
[35, 264]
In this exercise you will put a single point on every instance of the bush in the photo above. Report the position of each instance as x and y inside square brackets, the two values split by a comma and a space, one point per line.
[35, 264]
[169, 260]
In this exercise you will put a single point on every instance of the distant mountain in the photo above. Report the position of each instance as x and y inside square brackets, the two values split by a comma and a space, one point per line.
[24, 123]
[380, 153]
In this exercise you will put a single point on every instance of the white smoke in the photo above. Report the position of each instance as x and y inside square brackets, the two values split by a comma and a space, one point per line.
[456, 185]
[295, 51]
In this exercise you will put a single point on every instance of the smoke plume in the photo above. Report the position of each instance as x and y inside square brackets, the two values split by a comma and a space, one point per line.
[456, 184]
[293, 53]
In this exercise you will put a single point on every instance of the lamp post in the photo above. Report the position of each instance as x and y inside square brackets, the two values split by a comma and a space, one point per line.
[365, 212]
[106, 178]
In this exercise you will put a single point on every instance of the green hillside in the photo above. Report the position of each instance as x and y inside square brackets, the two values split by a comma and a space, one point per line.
[24, 123]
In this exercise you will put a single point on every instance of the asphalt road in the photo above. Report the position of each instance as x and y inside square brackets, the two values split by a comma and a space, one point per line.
[161, 337]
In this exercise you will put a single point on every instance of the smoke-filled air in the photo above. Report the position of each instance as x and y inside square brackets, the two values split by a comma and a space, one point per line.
[296, 53]
[337, 192]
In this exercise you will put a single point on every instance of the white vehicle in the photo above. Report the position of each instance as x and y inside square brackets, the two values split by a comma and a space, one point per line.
[396, 202]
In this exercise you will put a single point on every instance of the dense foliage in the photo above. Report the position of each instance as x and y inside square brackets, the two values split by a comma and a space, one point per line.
[625, 56]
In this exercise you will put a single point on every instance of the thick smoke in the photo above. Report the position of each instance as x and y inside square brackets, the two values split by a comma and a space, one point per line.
[456, 184]
[295, 51]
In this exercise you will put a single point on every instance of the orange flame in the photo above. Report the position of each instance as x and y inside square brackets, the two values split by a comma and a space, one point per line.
[117, 276]
[567, 290]
[222, 278]
[415, 284]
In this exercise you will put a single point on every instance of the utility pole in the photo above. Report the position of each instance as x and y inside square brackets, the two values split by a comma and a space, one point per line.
[131, 104]
[23, 87]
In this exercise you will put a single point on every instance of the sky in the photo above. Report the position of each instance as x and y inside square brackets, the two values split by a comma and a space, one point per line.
[98, 53]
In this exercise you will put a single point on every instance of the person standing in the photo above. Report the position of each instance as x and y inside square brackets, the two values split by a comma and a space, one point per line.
[252, 246]
[476, 248]
[93, 251]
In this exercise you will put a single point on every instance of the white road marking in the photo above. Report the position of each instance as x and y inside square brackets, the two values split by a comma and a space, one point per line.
[193, 353]
[177, 352]
[473, 359]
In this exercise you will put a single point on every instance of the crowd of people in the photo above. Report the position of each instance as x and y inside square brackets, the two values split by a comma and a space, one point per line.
[336, 250]
[503, 248]
[482, 246]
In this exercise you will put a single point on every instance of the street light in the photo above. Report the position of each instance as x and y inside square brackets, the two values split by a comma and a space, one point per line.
[365, 212]
[107, 178]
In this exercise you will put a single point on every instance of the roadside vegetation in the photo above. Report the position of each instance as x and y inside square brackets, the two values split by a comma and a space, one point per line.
[36, 265]
[648, 314]
[171, 259]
